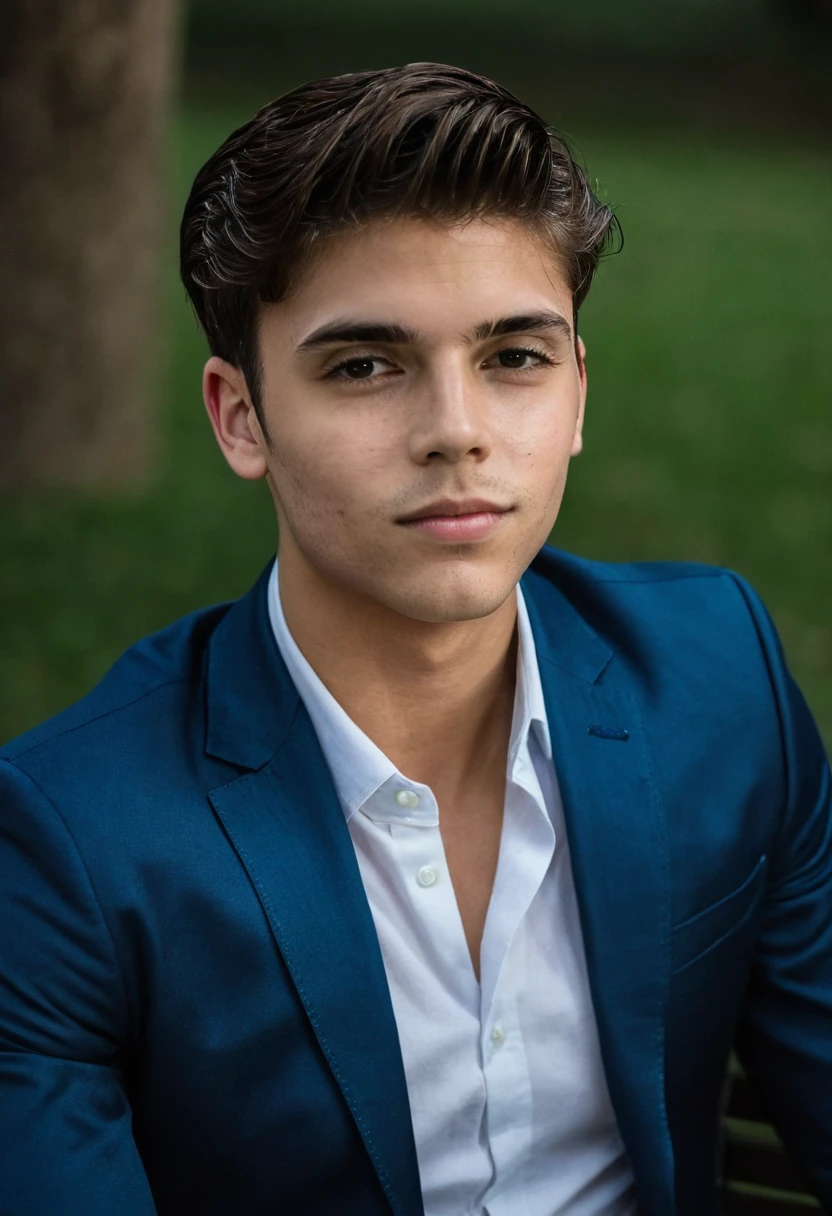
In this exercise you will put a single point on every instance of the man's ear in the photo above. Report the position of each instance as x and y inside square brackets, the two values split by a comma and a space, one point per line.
[580, 355]
[236, 426]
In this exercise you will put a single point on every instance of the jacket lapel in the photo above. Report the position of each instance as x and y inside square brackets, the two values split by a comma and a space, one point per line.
[286, 824]
[617, 840]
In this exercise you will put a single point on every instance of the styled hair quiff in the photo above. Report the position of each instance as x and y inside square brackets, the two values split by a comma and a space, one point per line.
[423, 140]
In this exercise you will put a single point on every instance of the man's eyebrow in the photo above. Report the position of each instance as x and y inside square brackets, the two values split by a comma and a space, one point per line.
[379, 331]
[522, 323]
[357, 331]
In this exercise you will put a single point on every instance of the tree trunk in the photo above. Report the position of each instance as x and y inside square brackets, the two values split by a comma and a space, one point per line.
[84, 91]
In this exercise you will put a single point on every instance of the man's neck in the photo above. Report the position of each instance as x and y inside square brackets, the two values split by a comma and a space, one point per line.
[436, 698]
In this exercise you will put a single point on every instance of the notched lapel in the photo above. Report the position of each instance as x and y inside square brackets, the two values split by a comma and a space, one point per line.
[286, 824]
[618, 845]
[288, 829]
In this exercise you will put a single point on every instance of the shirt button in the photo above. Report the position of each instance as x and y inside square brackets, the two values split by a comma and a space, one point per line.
[427, 876]
[497, 1034]
[407, 798]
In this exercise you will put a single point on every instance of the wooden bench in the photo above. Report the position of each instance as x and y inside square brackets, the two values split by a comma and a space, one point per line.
[758, 1178]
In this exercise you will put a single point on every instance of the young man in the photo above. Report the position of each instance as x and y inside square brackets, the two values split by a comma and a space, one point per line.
[441, 872]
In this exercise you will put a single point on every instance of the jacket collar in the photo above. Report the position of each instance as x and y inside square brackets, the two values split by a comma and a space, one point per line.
[252, 700]
[291, 836]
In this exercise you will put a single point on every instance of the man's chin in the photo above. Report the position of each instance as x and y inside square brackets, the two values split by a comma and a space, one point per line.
[444, 596]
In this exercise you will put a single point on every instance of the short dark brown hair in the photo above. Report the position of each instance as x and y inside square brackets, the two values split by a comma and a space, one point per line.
[424, 140]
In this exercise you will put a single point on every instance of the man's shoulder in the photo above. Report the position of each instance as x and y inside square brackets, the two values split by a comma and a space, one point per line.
[647, 585]
[148, 683]
[674, 613]
[691, 645]
[574, 569]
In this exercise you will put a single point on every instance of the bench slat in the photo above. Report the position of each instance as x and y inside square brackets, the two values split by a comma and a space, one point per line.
[763, 1164]
[739, 1203]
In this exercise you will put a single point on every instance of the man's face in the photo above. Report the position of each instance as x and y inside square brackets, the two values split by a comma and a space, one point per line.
[367, 427]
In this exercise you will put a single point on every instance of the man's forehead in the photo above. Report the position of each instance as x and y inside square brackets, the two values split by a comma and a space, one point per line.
[405, 237]
[407, 273]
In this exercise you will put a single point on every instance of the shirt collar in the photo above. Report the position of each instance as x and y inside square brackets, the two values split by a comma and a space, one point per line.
[360, 770]
[529, 706]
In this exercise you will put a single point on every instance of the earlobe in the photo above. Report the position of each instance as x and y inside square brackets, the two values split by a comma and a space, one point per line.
[233, 419]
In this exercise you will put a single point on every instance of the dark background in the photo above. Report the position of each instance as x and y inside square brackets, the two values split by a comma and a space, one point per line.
[709, 430]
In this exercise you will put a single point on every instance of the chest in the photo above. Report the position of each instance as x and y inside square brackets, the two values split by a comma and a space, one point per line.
[471, 832]
[502, 1062]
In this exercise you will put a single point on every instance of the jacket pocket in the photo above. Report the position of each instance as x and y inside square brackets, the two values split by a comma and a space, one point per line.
[695, 937]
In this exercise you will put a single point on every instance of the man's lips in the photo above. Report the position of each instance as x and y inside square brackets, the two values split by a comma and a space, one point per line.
[472, 526]
[445, 508]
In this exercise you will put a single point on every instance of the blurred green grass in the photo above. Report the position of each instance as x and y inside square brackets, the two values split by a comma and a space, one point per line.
[709, 434]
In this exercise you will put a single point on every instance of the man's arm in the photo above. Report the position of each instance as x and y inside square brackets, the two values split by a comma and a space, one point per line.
[65, 1123]
[784, 1038]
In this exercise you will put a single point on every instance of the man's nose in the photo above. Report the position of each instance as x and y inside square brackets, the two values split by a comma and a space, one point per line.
[451, 418]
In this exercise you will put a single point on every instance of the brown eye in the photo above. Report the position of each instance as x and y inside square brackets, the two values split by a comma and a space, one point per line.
[521, 358]
[361, 367]
[358, 369]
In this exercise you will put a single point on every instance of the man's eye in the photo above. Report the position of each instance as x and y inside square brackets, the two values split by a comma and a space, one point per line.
[522, 358]
[355, 369]
[370, 367]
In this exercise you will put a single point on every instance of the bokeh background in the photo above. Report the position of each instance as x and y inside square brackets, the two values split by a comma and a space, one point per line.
[709, 431]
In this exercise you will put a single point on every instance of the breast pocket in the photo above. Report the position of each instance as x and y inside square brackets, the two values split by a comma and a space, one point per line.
[701, 933]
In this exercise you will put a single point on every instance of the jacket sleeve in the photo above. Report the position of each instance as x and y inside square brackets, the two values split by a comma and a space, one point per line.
[784, 1037]
[65, 1121]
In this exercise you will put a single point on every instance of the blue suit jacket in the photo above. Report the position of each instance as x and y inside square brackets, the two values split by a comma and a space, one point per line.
[194, 1015]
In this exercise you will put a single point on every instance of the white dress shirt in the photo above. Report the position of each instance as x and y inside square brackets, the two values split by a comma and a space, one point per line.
[510, 1108]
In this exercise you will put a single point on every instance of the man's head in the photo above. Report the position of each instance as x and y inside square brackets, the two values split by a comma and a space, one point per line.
[388, 267]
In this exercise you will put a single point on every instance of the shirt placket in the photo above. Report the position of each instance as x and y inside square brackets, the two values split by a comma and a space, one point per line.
[424, 877]
[526, 851]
